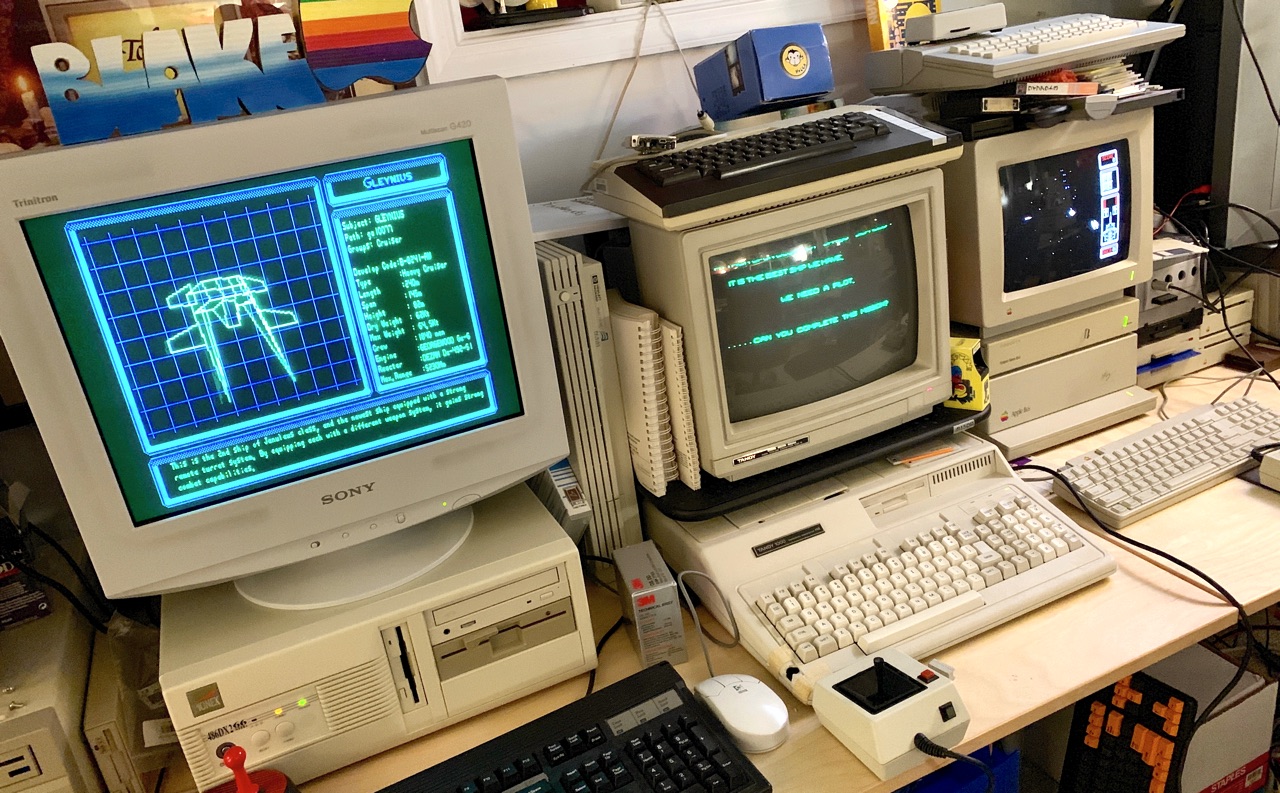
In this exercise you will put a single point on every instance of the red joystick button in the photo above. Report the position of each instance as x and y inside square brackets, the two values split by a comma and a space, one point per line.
[927, 676]
[234, 758]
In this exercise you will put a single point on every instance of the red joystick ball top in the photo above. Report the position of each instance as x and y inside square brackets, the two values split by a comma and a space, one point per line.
[234, 758]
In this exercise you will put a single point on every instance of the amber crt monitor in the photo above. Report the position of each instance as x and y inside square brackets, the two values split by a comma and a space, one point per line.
[1046, 221]
[809, 326]
[253, 343]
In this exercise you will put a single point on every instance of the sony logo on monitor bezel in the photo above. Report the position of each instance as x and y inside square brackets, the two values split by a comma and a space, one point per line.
[350, 492]
[34, 201]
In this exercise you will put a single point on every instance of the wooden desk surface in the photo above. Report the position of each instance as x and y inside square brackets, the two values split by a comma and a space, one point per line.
[1010, 676]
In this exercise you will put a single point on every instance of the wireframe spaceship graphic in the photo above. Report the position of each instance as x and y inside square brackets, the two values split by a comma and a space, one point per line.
[228, 300]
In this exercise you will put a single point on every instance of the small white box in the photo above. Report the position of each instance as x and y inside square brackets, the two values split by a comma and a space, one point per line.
[651, 604]
[1229, 752]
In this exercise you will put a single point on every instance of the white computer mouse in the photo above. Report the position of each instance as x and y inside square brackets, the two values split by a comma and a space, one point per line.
[754, 716]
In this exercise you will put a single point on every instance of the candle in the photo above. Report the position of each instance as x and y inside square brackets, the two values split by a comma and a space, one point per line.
[29, 102]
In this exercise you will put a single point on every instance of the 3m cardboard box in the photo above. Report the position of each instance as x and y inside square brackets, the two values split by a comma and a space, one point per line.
[1228, 754]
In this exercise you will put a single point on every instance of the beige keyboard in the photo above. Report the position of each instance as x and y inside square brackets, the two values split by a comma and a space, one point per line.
[1129, 479]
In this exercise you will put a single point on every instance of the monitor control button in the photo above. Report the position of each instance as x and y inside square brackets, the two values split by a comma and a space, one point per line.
[400, 517]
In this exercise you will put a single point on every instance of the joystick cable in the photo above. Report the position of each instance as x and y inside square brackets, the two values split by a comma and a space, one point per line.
[932, 749]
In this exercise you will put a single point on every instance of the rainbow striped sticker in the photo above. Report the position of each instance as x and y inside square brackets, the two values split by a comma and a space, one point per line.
[347, 40]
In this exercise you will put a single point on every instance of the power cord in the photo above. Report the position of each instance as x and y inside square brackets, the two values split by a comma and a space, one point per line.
[15, 551]
[1251, 641]
[1253, 56]
[1222, 290]
[41, 578]
[635, 64]
[90, 586]
[591, 677]
[932, 749]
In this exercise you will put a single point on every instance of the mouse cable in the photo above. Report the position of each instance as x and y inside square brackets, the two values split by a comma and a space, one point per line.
[697, 623]
[932, 749]
[591, 678]
[1242, 618]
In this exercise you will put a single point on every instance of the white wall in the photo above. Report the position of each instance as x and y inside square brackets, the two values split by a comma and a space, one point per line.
[561, 117]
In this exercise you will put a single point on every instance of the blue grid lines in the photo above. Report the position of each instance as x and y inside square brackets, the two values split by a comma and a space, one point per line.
[221, 312]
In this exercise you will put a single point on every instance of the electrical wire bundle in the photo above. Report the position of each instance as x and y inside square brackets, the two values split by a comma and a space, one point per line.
[17, 549]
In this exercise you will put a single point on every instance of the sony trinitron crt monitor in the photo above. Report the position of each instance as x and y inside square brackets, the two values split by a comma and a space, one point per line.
[253, 343]
[809, 326]
[1046, 221]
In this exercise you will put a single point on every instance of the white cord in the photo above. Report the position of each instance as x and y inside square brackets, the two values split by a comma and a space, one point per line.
[697, 624]
[635, 63]
[704, 120]
[683, 58]
[1235, 382]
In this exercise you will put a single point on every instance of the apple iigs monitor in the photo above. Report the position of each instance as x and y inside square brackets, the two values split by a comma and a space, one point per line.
[1046, 221]
[256, 342]
[808, 326]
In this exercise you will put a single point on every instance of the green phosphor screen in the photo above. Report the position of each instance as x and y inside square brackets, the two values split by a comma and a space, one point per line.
[252, 333]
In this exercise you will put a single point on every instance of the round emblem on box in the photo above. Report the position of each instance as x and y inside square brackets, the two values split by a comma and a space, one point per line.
[795, 60]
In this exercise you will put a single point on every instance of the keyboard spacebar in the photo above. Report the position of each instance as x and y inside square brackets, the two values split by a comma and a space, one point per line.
[905, 628]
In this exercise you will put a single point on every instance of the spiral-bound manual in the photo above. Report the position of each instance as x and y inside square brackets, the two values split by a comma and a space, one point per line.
[683, 437]
[642, 372]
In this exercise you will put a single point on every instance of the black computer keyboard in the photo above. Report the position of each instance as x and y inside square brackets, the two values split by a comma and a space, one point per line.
[1131, 736]
[780, 156]
[643, 734]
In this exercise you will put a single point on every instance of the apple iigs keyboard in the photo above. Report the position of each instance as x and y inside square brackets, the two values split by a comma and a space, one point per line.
[644, 734]
[1016, 52]
[1163, 464]
[915, 556]
[787, 160]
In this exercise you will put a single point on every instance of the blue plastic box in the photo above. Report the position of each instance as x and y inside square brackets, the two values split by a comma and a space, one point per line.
[765, 69]
[965, 778]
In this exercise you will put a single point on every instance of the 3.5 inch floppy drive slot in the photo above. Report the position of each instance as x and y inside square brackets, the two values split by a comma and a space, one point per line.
[492, 642]
[469, 633]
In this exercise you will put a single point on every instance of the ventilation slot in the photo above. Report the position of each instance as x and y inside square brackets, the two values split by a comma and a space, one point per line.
[977, 465]
[199, 759]
[359, 696]
[809, 197]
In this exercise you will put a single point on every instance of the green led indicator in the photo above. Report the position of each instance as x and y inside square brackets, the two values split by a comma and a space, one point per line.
[1125, 322]
[302, 703]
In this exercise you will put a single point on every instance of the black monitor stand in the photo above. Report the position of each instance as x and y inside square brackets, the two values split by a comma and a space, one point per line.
[718, 496]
